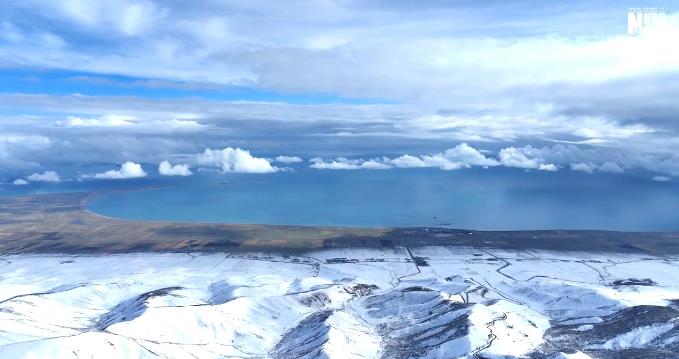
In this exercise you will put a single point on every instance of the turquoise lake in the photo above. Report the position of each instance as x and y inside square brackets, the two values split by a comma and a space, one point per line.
[473, 198]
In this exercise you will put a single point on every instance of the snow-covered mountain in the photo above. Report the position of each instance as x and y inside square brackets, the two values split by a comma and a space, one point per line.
[429, 302]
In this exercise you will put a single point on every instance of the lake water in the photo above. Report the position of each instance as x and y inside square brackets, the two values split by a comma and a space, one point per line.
[473, 198]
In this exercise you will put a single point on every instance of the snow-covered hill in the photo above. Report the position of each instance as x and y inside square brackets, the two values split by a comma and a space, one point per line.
[428, 302]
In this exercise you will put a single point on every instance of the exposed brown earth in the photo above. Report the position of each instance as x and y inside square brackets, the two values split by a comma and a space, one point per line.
[60, 223]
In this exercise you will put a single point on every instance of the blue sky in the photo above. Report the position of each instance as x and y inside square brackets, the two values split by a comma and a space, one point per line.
[64, 82]
[86, 87]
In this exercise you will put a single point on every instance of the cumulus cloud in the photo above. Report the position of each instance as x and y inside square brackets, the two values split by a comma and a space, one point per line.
[610, 167]
[288, 159]
[588, 167]
[607, 159]
[522, 158]
[460, 156]
[342, 163]
[18, 151]
[466, 156]
[469, 156]
[586, 159]
[235, 160]
[127, 170]
[583, 167]
[20, 182]
[513, 157]
[374, 165]
[167, 169]
[550, 167]
[408, 161]
[47, 176]
[375, 126]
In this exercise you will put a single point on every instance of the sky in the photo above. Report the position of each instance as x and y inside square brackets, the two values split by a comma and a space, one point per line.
[122, 89]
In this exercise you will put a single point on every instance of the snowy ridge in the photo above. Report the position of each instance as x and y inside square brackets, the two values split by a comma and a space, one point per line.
[328, 334]
[131, 308]
[449, 302]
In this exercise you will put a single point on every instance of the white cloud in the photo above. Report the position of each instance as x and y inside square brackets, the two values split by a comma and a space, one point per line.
[550, 167]
[374, 165]
[408, 161]
[589, 167]
[235, 160]
[662, 178]
[578, 159]
[103, 121]
[18, 151]
[482, 80]
[606, 129]
[167, 169]
[127, 17]
[47, 176]
[236, 43]
[460, 156]
[342, 163]
[127, 170]
[147, 117]
[288, 159]
[466, 156]
[611, 167]
[583, 167]
[515, 157]
[20, 182]
[128, 123]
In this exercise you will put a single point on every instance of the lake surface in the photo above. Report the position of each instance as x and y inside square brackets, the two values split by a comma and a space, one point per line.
[474, 198]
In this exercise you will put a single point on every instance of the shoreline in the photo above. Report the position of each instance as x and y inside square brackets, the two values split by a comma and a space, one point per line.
[61, 223]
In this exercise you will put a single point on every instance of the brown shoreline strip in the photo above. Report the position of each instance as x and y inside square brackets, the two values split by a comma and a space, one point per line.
[60, 223]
